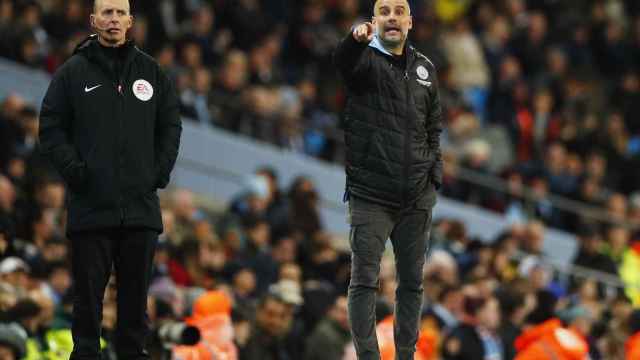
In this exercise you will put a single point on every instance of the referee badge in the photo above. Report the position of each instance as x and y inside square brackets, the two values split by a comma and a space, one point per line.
[142, 89]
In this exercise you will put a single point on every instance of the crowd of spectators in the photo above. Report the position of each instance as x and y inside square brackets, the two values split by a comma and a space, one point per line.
[539, 93]
[266, 258]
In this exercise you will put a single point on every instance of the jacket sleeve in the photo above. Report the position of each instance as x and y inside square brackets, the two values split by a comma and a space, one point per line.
[349, 58]
[54, 132]
[167, 132]
[434, 129]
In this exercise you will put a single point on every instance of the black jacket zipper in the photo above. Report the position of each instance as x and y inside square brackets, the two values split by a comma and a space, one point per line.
[407, 140]
[120, 89]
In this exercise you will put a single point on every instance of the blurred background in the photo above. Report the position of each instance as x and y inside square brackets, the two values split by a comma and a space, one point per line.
[538, 218]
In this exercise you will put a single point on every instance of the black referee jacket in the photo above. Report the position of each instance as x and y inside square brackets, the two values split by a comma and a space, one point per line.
[113, 138]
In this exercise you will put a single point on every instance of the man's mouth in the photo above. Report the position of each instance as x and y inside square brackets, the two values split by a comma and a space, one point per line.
[113, 30]
[392, 30]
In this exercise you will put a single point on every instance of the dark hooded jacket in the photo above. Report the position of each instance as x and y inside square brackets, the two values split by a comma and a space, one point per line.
[111, 127]
[392, 122]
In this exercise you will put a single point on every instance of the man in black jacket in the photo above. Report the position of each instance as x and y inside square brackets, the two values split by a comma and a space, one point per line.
[392, 123]
[110, 126]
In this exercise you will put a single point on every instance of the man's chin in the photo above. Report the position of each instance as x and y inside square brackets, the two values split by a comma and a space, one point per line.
[110, 39]
[391, 42]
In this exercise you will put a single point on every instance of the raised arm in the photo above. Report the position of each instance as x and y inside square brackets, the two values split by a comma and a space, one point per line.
[348, 55]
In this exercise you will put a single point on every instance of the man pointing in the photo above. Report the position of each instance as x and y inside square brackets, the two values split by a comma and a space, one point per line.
[110, 126]
[392, 123]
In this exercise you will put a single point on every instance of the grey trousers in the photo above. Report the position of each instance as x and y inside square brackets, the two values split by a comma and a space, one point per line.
[371, 226]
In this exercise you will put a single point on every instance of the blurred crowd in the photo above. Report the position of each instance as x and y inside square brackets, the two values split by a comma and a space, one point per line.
[538, 93]
[260, 278]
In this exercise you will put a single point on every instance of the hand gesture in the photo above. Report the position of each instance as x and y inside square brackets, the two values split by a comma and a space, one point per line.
[363, 32]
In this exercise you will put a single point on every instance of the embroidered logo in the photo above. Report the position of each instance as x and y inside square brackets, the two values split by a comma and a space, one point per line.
[142, 89]
[423, 73]
[87, 89]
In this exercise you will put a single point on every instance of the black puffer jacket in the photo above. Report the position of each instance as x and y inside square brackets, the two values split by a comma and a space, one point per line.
[113, 133]
[392, 124]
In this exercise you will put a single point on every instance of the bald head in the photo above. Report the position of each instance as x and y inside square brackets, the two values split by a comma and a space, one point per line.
[392, 4]
[98, 4]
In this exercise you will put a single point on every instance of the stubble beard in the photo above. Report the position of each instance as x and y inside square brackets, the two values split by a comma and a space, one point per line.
[392, 43]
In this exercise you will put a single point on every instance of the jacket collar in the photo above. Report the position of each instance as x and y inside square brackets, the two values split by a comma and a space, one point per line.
[377, 44]
[90, 48]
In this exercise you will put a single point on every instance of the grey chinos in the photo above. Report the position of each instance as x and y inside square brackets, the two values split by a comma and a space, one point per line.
[371, 225]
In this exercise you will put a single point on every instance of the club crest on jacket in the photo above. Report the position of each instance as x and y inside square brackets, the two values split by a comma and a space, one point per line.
[423, 73]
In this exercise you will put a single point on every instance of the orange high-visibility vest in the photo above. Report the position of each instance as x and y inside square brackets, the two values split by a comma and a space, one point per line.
[426, 348]
[384, 330]
[632, 347]
[211, 315]
[551, 341]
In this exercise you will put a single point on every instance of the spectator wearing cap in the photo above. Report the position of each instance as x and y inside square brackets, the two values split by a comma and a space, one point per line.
[15, 272]
[253, 200]
[294, 337]
[581, 320]
[12, 342]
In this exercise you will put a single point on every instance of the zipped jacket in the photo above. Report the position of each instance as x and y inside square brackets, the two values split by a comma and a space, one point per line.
[392, 122]
[112, 135]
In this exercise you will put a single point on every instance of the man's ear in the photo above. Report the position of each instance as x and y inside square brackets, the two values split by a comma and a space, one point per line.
[92, 20]
[410, 22]
[130, 22]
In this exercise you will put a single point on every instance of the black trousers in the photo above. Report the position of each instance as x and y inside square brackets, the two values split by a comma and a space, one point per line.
[371, 226]
[130, 252]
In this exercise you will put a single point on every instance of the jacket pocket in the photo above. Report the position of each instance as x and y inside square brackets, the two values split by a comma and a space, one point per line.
[75, 175]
